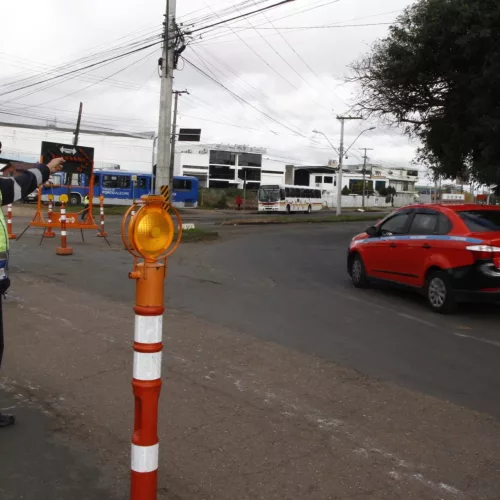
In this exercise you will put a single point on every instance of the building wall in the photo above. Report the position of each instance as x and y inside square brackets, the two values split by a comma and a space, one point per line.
[202, 161]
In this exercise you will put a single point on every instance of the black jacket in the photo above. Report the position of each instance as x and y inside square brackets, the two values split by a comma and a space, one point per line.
[16, 188]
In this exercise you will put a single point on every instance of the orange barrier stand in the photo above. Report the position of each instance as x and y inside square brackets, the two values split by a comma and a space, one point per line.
[102, 233]
[63, 249]
[11, 235]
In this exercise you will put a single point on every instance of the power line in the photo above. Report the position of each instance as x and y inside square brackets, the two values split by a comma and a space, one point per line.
[237, 97]
[78, 70]
[263, 9]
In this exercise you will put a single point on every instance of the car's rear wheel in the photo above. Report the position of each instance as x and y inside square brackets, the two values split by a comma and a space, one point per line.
[358, 273]
[439, 293]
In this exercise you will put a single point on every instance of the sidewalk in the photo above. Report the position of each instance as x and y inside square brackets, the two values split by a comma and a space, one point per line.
[240, 418]
[38, 462]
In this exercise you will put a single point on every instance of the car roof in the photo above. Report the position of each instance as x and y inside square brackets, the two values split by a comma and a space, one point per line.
[456, 207]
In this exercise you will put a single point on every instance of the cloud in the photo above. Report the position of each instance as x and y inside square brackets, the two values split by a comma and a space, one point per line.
[265, 69]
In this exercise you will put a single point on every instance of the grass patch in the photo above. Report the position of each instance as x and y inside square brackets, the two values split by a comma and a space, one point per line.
[197, 235]
[113, 210]
[291, 219]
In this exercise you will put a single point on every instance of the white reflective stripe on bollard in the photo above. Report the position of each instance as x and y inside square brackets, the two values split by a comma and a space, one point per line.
[63, 233]
[9, 221]
[148, 329]
[63, 211]
[144, 458]
[147, 366]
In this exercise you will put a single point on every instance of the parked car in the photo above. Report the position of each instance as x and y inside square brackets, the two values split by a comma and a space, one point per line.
[449, 253]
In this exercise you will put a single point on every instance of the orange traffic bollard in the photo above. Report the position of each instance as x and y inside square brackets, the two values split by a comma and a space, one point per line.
[12, 236]
[149, 235]
[102, 233]
[48, 231]
[64, 249]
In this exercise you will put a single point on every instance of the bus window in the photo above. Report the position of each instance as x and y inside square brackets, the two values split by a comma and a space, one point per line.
[282, 194]
[301, 195]
[116, 181]
[317, 193]
[287, 192]
[182, 184]
[142, 183]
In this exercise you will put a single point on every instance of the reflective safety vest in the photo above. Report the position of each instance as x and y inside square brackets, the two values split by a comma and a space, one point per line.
[86, 200]
[4, 244]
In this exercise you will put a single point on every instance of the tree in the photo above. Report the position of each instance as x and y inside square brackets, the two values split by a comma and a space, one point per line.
[346, 191]
[437, 74]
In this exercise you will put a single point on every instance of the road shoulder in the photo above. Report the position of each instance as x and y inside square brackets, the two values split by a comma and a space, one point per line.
[240, 417]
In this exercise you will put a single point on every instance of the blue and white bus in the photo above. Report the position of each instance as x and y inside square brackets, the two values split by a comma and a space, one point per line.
[118, 188]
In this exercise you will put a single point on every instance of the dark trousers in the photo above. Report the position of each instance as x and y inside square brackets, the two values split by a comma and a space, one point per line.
[1, 331]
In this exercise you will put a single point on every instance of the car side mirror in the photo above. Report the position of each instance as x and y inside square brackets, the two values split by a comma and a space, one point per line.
[372, 231]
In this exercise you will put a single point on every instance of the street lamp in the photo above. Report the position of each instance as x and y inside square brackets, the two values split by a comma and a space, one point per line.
[341, 154]
[341, 162]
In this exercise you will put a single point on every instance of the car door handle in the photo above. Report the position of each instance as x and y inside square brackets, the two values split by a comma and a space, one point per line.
[426, 246]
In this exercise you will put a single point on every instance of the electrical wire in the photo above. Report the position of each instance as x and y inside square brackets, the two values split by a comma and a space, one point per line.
[240, 16]
[78, 70]
[238, 97]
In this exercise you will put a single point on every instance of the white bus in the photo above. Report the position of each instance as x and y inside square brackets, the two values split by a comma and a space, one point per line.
[281, 198]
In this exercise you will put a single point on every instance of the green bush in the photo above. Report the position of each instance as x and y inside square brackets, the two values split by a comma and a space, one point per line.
[222, 202]
[346, 191]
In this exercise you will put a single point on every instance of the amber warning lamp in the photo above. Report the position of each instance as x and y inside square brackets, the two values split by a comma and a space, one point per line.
[150, 232]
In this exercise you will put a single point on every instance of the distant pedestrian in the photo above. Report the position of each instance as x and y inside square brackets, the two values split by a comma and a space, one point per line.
[86, 203]
[238, 201]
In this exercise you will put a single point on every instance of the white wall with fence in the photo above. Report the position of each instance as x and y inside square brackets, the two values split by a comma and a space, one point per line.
[356, 201]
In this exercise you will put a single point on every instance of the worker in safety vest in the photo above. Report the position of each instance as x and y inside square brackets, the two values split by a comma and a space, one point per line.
[86, 203]
[14, 189]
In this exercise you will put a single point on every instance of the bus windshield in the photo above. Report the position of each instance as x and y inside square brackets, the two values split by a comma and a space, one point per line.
[269, 194]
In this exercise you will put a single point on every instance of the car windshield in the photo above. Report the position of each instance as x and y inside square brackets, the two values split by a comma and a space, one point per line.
[480, 221]
[269, 194]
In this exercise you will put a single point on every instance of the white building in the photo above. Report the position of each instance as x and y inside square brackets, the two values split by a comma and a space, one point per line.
[224, 166]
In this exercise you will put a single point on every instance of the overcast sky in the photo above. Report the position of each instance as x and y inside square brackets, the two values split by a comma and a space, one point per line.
[295, 76]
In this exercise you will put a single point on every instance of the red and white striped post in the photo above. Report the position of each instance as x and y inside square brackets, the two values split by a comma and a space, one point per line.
[149, 235]
[146, 382]
[48, 231]
[64, 249]
[102, 233]
[11, 235]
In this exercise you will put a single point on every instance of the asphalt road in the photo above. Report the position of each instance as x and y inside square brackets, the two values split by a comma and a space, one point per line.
[288, 284]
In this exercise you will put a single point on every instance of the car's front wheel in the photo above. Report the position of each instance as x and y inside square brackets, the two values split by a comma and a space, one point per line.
[358, 273]
[439, 293]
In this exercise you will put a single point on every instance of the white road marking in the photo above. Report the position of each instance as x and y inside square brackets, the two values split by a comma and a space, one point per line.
[478, 339]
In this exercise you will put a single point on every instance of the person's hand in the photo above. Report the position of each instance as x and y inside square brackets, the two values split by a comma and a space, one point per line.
[55, 165]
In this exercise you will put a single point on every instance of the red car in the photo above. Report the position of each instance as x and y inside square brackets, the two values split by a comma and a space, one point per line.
[450, 253]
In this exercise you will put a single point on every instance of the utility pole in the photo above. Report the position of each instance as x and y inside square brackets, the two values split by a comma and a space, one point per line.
[77, 130]
[174, 136]
[364, 173]
[341, 160]
[165, 120]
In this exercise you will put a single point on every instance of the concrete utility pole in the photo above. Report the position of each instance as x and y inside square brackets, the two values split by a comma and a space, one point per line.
[341, 160]
[364, 173]
[78, 122]
[174, 136]
[165, 121]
